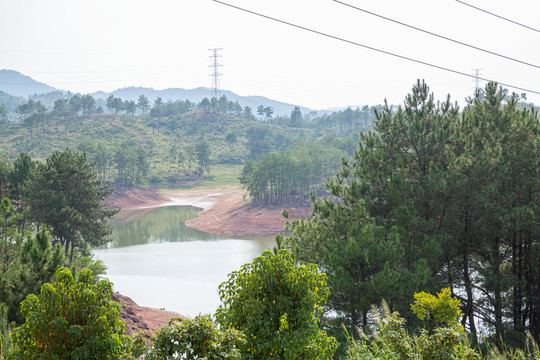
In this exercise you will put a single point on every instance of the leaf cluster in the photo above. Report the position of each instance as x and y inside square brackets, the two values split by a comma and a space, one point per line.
[197, 338]
[70, 319]
[277, 307]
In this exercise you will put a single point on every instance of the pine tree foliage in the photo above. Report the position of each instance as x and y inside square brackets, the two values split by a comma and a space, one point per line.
[68, 197]
[27, 261]
[281, 177]
[434, 198]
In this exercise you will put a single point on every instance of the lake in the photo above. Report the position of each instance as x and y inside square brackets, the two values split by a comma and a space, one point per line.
[156, 260]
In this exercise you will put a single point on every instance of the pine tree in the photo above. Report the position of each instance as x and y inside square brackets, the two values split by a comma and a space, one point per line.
[500, 161]
[384, 235]
[68, 197]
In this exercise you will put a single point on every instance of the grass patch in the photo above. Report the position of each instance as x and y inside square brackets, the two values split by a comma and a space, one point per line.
[223, 175]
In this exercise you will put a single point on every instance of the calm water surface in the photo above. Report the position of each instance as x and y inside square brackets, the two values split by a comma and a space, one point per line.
[158, 261]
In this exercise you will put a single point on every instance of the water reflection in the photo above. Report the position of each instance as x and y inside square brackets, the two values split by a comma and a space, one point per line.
[155, 225]
[158, 261]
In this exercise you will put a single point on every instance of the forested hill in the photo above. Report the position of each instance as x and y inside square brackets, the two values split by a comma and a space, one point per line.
[197, 94]
[167, 142]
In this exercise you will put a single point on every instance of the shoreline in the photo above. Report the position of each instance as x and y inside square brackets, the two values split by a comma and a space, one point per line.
[141, 318]
[225, 212]
[225, 209]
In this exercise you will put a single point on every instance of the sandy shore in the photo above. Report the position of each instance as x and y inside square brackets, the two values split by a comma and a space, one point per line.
[228, 212]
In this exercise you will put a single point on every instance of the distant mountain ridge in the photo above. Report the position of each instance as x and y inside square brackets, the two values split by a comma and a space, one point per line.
[17, 84]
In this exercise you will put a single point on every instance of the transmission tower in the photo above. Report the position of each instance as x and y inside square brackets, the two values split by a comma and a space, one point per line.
[215, 72]
[476, 79]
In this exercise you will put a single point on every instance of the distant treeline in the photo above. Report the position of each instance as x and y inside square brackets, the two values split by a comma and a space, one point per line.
[59, 105]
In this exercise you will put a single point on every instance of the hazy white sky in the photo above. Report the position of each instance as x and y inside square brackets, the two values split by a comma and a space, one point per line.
[86, 46]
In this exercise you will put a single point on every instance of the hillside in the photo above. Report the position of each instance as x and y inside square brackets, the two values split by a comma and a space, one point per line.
[167, 145]
[179, 142]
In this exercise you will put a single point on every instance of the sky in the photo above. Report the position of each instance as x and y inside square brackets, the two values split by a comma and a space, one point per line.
[87, 46]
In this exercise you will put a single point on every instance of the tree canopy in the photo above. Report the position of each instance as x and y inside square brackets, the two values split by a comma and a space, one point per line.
[436, 198]
[278, 308]
[71, 319]
[68, 197]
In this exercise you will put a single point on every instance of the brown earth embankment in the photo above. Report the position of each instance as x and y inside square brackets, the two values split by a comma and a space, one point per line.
[142, 319]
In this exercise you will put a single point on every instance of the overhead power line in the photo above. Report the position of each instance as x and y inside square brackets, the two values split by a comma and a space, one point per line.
[437, 35]
[499, 16]
[371, 48]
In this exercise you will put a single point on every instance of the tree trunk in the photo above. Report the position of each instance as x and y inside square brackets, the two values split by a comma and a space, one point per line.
[66, 246]
[498, 290]
[517, 272]
[469, 311]
[71, 255]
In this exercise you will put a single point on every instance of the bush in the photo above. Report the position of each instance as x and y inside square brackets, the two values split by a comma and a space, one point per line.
[278, 307]
[390, 339]
[155, 179]
[197, 338]
[71, 319]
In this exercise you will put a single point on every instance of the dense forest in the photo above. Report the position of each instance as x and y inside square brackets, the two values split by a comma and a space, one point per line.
[423, 242]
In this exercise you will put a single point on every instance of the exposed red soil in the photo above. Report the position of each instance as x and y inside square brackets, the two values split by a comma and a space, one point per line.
[232, 215]
[140, 318]
[226, 211]
[135, 197]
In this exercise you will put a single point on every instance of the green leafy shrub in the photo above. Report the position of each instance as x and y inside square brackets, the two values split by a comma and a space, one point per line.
[391, 340]
[442, 309]
[197, 338]
[71, 319]
[278, 308]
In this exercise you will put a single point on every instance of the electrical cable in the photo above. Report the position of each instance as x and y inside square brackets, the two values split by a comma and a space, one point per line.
[437, 35]
[372, 48]
[499, 16]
